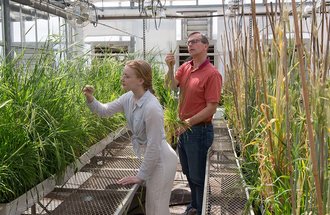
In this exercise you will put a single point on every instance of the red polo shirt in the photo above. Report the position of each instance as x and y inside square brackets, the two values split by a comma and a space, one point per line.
[197, 87]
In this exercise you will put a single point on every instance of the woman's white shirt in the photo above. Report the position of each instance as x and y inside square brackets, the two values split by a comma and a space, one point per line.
[145, 120]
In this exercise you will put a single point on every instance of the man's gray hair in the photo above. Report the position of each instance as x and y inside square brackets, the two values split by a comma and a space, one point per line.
[203, 39]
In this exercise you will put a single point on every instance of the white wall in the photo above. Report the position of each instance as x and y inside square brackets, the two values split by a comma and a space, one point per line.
[160, 40]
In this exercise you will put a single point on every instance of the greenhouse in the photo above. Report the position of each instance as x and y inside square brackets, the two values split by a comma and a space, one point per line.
[100, 98]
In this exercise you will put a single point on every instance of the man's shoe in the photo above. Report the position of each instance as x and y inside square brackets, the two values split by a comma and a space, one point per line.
[190, 211]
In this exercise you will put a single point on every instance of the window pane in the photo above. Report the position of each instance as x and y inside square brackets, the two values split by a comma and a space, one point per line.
[125, 4]
[62, 34]
[178, 29]
[101, 4]
[209, 2]
[54, 25]
[16, 32]
[0, 31]
[125, 38]
[30, 31]
[214, 27]
[42, 29]
[191, 2]
[0, 26]
[62, 31]
[107, 4]
[102, 38]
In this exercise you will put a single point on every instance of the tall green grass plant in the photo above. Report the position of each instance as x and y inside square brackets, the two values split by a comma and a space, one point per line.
[45, 124]
[277, 99]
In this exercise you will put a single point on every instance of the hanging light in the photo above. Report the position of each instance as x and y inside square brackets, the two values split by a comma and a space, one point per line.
[80, 13]
[233, 4]
[155, 8]
[230, 12]
[307, 12]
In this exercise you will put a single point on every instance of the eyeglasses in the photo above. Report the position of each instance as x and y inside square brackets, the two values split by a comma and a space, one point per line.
[191, 42]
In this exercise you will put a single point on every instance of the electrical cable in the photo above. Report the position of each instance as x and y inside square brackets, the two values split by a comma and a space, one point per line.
[157, 25]
[95, 13]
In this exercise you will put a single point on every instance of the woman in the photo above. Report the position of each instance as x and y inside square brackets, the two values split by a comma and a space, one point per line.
[144, 116]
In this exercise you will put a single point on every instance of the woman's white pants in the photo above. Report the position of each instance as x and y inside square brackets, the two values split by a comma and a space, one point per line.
[160, 184]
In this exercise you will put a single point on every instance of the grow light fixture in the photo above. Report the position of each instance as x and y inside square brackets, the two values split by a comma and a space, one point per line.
[80, 13]
[308, 9]
[233, 6]
[307, 12]
[230, 12]
[154, 8]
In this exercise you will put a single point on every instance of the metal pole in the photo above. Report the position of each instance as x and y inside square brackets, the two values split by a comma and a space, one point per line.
[144, 39]
[34, 209]
[36, 29]
[6, 29]
[67, 37]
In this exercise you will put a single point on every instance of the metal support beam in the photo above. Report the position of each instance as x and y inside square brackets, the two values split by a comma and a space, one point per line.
[44, 6]
[18, 8]
[6, 29]
[121, 17]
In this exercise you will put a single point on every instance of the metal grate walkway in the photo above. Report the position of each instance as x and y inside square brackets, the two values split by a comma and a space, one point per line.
[224, 193]
[94, 190]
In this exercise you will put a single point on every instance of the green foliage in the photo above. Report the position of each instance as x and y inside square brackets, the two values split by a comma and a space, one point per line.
[45, 123]
[169, 101]
[270, 118]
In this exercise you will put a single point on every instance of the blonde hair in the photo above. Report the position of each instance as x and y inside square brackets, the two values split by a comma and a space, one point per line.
[142, 70]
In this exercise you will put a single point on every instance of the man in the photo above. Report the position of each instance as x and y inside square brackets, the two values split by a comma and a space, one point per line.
[200, 88]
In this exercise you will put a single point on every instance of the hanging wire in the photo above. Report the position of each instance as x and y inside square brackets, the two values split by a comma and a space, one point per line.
[154, 8]
[95, 13]
[160, 10]
[157, 24]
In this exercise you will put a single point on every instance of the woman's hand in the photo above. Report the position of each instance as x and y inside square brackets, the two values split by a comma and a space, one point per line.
[130, 180]
[88, 91]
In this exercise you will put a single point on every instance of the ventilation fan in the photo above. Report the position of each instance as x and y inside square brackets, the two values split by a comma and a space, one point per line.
[81, 13]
